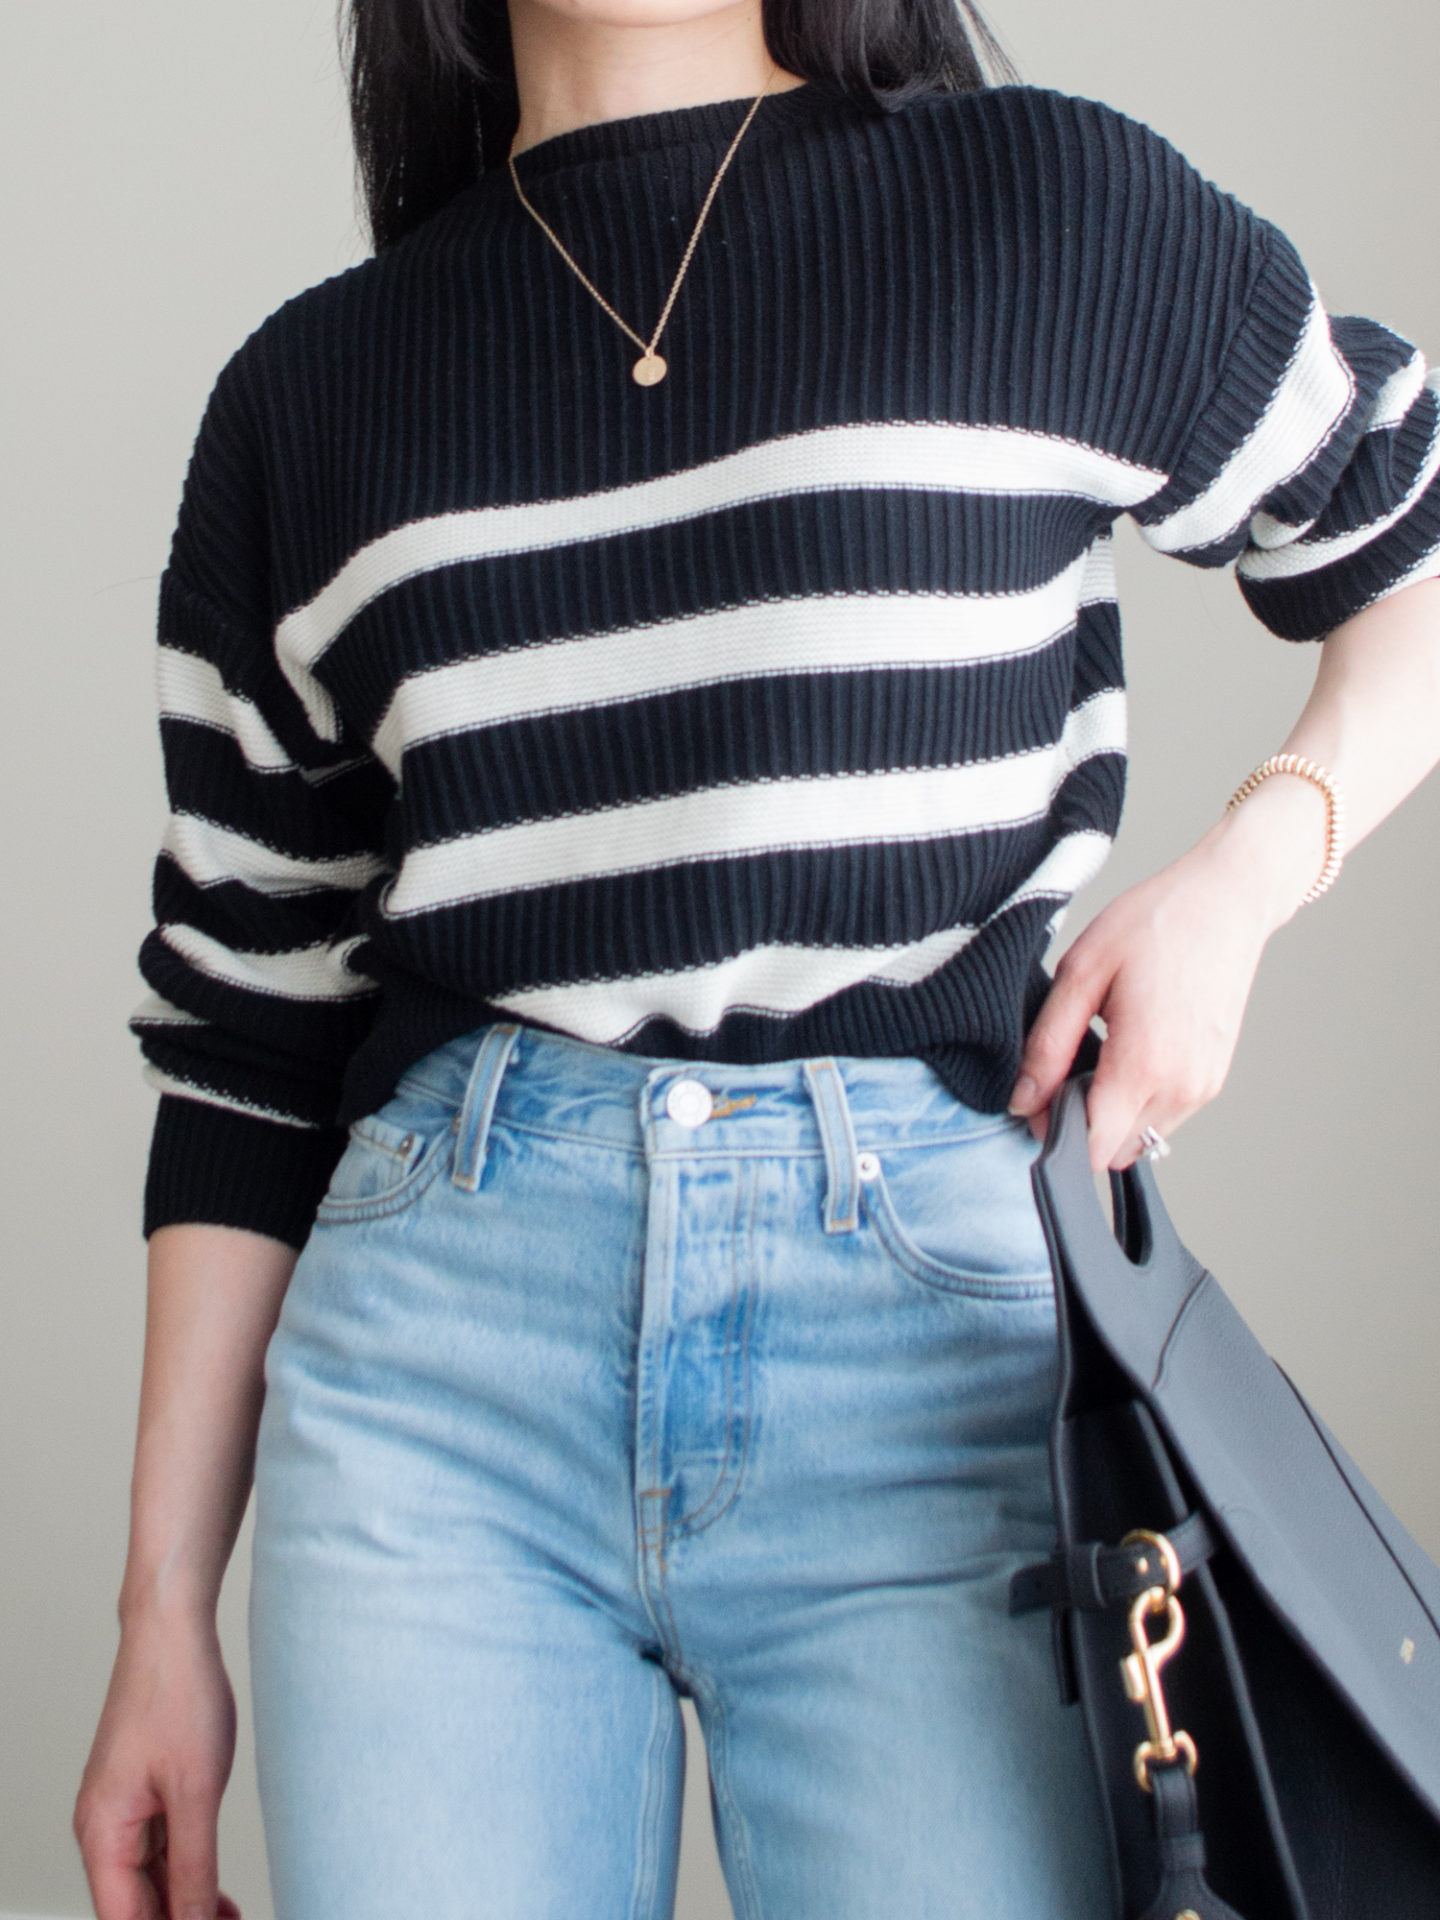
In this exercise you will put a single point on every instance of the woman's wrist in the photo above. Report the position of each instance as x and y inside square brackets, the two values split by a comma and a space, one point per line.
[1272, 846]
[167, 1594]
[214, 1298]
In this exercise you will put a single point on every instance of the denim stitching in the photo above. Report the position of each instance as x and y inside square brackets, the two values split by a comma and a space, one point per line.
[837, 1134]
[934, 1273]
[652, 1535]
[359, 1131]
[399, 1199]
[737, 1845]
[733, 1150]
[607, 1142]
[669, 1216]
[656, 1592]
[688, 1525]
[692, 1522]
[477, 1110]
[652, 1811]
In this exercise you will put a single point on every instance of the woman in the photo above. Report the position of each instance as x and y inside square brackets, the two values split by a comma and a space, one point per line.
[640, 683]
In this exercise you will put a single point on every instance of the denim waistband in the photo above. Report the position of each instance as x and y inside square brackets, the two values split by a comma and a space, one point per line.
[831, 1107]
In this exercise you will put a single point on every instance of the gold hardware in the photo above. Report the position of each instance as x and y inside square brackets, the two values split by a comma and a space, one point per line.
[1187, 1913]
[1169, 1559]
[1141, 1673]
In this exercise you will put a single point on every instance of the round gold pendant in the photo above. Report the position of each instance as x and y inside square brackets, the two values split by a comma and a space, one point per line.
[648, 370]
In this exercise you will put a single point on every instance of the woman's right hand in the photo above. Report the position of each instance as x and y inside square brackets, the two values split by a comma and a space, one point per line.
[149, 1801]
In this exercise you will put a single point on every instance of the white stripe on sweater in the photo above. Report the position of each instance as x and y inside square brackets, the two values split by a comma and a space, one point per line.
[819, 633]
[1308, 556]
[1308, 405]
[781, 980]
[190, 688]
[156, 1011]
[928, 455]
[211, 854]
[303, 973]
[756, 817]
[1399, 394]
[1407, 385]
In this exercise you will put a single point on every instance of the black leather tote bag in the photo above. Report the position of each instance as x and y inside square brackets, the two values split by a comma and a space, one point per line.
[1251, 1635]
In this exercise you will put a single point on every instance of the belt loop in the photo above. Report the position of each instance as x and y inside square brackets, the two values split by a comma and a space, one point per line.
[837, 1132]
[478, 1108]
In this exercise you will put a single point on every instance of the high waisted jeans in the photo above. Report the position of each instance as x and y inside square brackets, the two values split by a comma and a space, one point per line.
[604, 1380]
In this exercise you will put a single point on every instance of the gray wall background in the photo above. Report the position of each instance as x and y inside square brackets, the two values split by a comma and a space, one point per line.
[176, 168]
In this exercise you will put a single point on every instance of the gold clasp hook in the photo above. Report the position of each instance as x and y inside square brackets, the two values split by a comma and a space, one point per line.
[1141, 1669]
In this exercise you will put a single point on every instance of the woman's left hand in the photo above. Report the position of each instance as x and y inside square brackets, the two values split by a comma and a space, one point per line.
[1168, 966]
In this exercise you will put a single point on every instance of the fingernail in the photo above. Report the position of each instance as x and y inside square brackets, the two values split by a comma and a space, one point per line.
[1023, 1098]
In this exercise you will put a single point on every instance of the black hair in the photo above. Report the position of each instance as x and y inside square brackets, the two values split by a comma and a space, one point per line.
[432, 82]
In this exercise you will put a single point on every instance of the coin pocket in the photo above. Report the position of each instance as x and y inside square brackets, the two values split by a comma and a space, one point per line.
[960, 1214]
[389, 1158]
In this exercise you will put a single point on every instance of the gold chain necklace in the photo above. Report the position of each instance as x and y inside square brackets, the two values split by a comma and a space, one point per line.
[650, 368]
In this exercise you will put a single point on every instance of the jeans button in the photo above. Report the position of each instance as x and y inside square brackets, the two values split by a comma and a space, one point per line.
[689, 1103]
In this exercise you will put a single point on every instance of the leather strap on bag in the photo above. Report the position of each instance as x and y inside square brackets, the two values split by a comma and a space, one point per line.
[1095, 1577]
[1183, 1886]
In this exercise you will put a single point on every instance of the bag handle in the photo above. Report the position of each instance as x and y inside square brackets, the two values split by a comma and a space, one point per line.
[1134, 1275]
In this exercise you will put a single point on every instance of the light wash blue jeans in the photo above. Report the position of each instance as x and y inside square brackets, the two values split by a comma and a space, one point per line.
[586, 1395]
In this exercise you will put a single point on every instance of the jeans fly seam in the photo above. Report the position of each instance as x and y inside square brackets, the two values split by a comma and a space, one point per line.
[659, 1399]
[652, 1538]
[656, 1590]
[740, 1300]
[687, 1521]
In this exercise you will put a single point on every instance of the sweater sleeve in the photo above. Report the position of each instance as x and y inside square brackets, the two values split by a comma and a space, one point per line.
[272, 835]
[1313, 463]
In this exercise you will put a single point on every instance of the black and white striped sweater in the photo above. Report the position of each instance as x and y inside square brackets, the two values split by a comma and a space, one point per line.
[774, 710]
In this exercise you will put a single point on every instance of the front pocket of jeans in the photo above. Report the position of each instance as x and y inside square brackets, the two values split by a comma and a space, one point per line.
[960, 1215]
[390, 1158]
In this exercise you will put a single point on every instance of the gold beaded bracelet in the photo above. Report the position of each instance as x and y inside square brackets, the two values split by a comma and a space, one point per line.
[1334, 810]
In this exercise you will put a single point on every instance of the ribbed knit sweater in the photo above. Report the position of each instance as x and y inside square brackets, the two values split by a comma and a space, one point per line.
[775, 710]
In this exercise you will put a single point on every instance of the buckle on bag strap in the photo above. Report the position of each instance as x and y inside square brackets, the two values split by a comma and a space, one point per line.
[1095, 1578]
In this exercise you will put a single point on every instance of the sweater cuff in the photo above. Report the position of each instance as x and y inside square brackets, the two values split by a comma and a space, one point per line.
[211, 1164]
